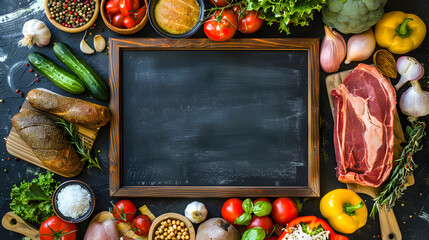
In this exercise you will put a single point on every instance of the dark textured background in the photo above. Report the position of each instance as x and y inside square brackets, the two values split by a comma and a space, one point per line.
[412, 211]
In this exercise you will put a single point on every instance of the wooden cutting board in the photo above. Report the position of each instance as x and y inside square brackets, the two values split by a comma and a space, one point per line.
[388, 224]
[18, 148]
[124, 228]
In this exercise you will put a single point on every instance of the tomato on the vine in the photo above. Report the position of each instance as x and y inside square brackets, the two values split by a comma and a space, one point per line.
[264, 222]
[141, 225]
[55, 228]
[232, 209]
[118, 20]
[112, 6]
[284, 210]
[221, 26]
[248, 21]
[219, 3]
[124, 211]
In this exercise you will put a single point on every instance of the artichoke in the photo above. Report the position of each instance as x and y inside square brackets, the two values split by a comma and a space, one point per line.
[352, 16]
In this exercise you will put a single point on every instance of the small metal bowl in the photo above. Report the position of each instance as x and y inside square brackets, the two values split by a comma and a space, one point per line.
[163, 33]
[73, 30]
[173, 216]
[70, 219]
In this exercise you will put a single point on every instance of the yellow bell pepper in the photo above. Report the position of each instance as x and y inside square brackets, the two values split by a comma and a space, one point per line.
[400, 32]
[344, 209]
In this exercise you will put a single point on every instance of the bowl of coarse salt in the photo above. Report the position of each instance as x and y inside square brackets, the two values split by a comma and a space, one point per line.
[73, 201]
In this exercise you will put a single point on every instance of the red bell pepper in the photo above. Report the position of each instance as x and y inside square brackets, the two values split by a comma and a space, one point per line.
[312, 222]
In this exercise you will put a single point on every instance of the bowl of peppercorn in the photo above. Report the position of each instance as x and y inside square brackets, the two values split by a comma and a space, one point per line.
[72, 15]
[123, 20]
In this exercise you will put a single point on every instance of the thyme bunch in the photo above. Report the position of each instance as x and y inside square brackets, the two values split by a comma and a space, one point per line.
[395, 186]
[80, 144]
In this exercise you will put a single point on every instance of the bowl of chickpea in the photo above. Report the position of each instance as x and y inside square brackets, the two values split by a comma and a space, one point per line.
[171, 226]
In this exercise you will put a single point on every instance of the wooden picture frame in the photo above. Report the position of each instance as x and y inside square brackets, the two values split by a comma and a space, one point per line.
[117, 46]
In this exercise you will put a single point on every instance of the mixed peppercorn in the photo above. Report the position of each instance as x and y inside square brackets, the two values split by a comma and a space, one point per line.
[71, 13]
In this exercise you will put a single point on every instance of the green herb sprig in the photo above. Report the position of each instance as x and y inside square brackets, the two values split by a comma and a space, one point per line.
[80, 144]
[395, 186]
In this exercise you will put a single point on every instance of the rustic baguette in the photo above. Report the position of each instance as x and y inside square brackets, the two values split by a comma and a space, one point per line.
[71, 109]
[47, 141]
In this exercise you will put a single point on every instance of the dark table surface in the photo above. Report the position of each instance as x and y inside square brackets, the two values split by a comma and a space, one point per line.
[412, 211]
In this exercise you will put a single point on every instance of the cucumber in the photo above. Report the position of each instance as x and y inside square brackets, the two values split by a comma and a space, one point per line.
[63, 79]
[93, 82]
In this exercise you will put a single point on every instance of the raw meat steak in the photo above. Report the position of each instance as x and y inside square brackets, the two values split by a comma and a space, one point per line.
[364, 107]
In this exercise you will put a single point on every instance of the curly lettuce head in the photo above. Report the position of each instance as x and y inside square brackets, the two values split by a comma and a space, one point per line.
[352, 16]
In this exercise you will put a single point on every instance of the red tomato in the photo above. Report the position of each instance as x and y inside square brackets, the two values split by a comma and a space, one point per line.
[135, 17]
[263, 222]
[128, 6]
[221, 27]
[219, 3]
[284, 210]
[112, 6]
[141, 225]
[58, 228]
[124, 211]
[232, 209]
[109, 16]
[261, 199]
[249, 21]
[118, 20]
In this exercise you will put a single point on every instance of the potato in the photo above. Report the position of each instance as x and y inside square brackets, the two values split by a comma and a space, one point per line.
[217, 229]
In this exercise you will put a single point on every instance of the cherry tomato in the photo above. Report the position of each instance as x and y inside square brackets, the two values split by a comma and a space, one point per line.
[221, 27]
[135, 17]
[141, 225]
[248, 21]
[261, 199]
[219, 3]
[118, 20]
[284, 210]
[232, 209]
[112, 6]
[128, 6]
[264, 222]
[58, 228]
[124, 211]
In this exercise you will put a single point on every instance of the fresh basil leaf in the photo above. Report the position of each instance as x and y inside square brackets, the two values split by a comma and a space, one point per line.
[262, 208]
[254, 234]
[244, 219]
[247, 206]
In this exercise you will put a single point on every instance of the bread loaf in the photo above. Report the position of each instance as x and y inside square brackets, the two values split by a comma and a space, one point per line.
[47, 141]
[71, 109]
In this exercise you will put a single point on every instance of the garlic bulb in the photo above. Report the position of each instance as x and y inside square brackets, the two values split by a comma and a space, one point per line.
[196, 212]
[35, 32]
[415, 102]
[410, 70]
[360, 46]
[99, 43]
[333, 51]
[84, 47]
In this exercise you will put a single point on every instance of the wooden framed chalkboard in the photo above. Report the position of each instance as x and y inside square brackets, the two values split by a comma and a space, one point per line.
[197, 118]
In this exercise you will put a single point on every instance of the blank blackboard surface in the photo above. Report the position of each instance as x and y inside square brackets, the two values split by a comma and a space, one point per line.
[212, 118]
[199, 120]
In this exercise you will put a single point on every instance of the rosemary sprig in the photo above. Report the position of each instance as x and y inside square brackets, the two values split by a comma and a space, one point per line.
[80, 144]
[395, 186]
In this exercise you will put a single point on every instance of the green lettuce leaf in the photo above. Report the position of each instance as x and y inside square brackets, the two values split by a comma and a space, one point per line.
[298, 12]
[32, 200]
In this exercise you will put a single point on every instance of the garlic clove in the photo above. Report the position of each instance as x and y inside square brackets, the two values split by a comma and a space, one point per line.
[99, 43]
[410, 70]
[84, 47]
